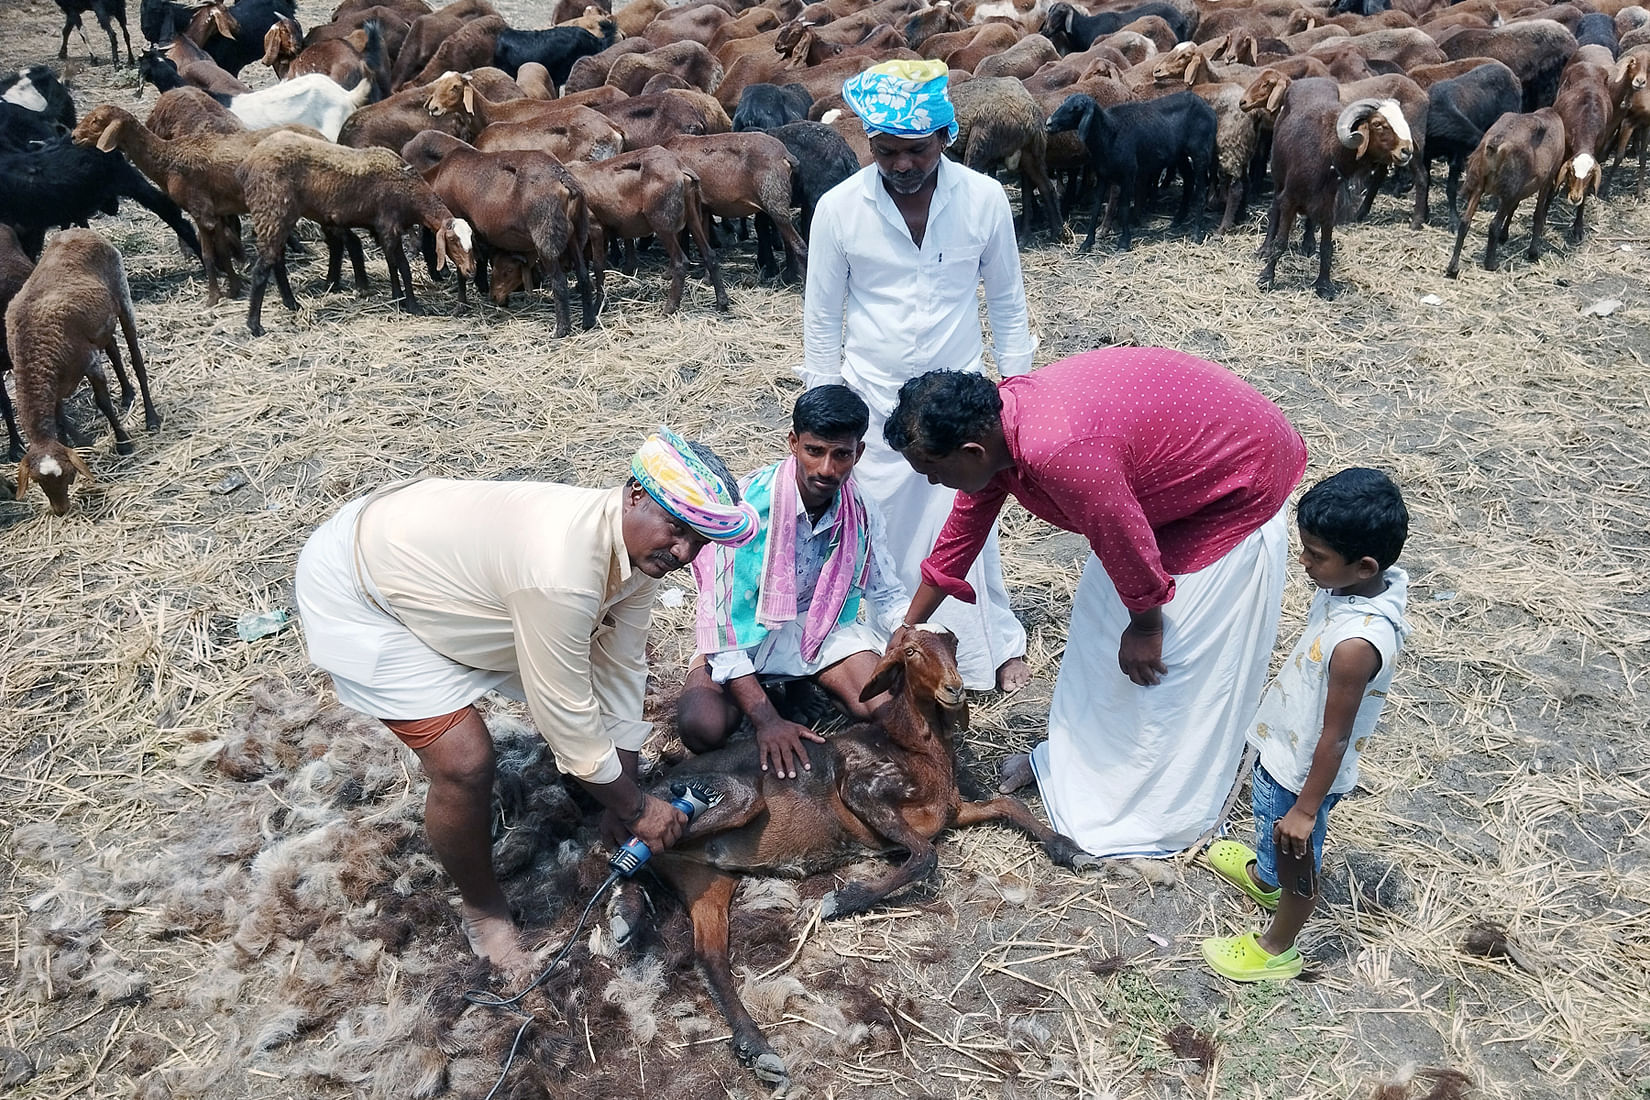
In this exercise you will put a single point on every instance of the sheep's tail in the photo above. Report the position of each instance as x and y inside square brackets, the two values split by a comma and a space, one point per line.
[359, 94]
[372, 57]
[610, 32]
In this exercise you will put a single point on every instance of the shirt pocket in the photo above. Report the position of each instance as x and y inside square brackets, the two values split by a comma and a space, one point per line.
[957, 271]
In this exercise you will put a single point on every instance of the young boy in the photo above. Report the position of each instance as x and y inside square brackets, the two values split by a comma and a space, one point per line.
[1316, 716]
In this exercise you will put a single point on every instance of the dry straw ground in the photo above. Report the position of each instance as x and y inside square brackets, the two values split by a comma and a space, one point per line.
[214, 881]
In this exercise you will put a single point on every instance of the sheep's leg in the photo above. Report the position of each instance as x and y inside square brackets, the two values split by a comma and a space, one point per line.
[14, 440]
[120, 15]
[676, 258]
[1060, 848]
[70, 21]
[796, 252]
[581, 276]
[128, 328]
[708, 893]
[1578, 226]
[550, 263]
[1452, 189]
[395, 255]
[1644, 148]
[713, 264]
[1326, 249]
[1235, 194]
[114, 46]
[1453, 271]
[100, 394]
[67, 431]
[210, 248]
[922, 859]
[1308, 237]
[1376, 179]
[766, 264]
[1037, 172]
[598, 260]
[1498, 233]
[1421, 173]
[1280, 223]
[1543, 200]
[255, 300]
[1094, 219]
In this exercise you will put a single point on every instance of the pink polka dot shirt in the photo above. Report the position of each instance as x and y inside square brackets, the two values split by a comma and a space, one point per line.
[1163, 461]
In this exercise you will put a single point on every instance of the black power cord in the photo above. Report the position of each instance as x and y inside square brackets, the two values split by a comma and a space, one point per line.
[484, 999]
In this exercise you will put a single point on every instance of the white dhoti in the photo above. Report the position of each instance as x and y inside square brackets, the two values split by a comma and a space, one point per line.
[378, 666]
[987, 632]
[1130, 770]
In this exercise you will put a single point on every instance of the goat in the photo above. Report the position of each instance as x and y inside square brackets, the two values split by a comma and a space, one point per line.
[880, 786]
[1459, 111]
[62, 316]
[769, 106]
[15, 267]
[1065, 26]
[1317, 144]
[519, 201]
[108, 12]
[649, 192]
[823, 160]
[289, 177]
[286, 52]
[312, 100]
[998, 122]
[1131, 145]
[1519, 157]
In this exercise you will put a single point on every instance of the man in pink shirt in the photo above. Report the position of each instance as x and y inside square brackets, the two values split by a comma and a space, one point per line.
[1177, 473]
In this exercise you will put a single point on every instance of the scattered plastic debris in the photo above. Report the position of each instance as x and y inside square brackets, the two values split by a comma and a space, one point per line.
[1443, 597]
[1602, 308]
[230, 483]
[1431, 300]
[1155, 938]
[254, 625]
[672, 597]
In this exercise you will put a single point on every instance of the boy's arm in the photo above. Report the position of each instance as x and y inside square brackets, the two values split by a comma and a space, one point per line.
[1352, 665]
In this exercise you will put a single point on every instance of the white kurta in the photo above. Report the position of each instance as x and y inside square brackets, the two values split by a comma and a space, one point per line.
[880, 310]
[1131, 770]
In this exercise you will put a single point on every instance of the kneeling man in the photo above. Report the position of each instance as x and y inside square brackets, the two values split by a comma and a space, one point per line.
[786, 604]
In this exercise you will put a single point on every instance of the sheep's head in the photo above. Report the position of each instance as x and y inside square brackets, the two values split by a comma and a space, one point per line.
[1301, 19]
[450, 93]
[509, 274]
[455, 241]
[281, 42]
[1375, 128]
[212, 21]
[1185, 61]
[54, 466]
[1578, 176]
[1072, 113]
[924, 670]
[102, 127]
[1265, 94]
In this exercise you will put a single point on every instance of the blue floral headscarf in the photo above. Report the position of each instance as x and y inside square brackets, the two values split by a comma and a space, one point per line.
[905, 99]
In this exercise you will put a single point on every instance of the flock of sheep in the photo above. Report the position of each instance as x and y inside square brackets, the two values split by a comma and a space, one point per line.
[532, 156]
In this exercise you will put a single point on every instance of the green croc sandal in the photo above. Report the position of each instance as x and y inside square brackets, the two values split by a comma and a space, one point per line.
[1230, 860]
[1241, 959]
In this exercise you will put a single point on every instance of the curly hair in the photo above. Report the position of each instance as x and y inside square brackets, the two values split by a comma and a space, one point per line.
[1359, 512]
[941, 410]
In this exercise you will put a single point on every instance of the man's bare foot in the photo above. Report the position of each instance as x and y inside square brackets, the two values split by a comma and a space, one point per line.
[1016, 773]
[498, 940]
[1013, 675]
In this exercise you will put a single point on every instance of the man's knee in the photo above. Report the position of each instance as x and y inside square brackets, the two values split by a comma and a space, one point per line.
[702, 721]
[461, 756]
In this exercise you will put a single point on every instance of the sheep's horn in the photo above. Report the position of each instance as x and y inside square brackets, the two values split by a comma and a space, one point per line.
[1350, 117]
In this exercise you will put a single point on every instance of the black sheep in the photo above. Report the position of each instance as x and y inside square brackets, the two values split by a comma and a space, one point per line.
[1133, 145]
[108, 12]
[60, 184]
[1459, 111]
[823, 160]
[769, 106]
[1072, 32]
[59, 103]
[22, 129]
[1598, 29]
[556, 49]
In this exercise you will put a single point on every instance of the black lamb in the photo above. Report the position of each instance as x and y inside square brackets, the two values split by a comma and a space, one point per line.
[59, 103]
[769, 106]
[1133, 145]
[1072, 32]
[1459, 111]
[163, 20]
[1598, 29]
[60, 184]
[823, 160]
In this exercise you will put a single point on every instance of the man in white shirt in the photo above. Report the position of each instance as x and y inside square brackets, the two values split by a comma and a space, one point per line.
[787, 604]
[422, 597]
[898, 251]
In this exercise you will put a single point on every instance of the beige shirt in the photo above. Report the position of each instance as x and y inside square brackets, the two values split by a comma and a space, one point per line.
[530, 578]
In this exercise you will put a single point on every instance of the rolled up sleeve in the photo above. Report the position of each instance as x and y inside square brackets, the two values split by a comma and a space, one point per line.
[555, 648]
[961, 539]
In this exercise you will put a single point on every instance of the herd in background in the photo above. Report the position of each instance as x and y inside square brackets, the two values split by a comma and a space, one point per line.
[533, 157]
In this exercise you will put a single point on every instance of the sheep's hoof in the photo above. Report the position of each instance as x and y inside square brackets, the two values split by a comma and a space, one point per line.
[125, 447]
[1064, 852]
[1326, 291]
[771, 1070]
[844, 901]
[152, 423]
[1452, 273]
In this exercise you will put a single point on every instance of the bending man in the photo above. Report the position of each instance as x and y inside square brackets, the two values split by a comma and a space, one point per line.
[896, 255]
[1177, 473]
[787, 605]
[424, 596]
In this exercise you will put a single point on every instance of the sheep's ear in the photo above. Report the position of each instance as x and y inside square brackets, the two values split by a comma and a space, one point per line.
[1194, 67]
[109, 137]
[80, 464]
[888, 673]
[469, 98]
[22, 479]
[1362, 147]
[441, 248]
[1274, 102]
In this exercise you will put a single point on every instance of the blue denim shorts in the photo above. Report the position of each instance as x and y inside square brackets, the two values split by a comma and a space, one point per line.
[1271, 802]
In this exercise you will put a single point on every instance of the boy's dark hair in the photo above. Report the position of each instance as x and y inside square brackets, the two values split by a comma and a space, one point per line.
[1359, 513]
[830, 412]
[943, 409]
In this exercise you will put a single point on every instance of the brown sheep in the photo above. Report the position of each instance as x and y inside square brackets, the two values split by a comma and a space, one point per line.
[290, 177]
[590, 71]
[345, 59]
[469, 47]
[745, 174]
[519, 202]
[649, 192]
[428, 32]
[576, 133]
[688, 60]
[391, 123]
[998, 122]
[888, 784]
[1020, 60]
[1519, 157]
[696, 23]
[15, 266]
[184, 111]
[655, 119]
[63, 315]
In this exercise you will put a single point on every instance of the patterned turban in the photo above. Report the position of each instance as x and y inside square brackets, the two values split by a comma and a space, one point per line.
[685, 487]
[905, 99]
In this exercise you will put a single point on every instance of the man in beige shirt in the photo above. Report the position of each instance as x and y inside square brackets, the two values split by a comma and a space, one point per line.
[422, 597]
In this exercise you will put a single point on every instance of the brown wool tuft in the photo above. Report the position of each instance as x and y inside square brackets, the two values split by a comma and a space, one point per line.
[1191, 1045]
